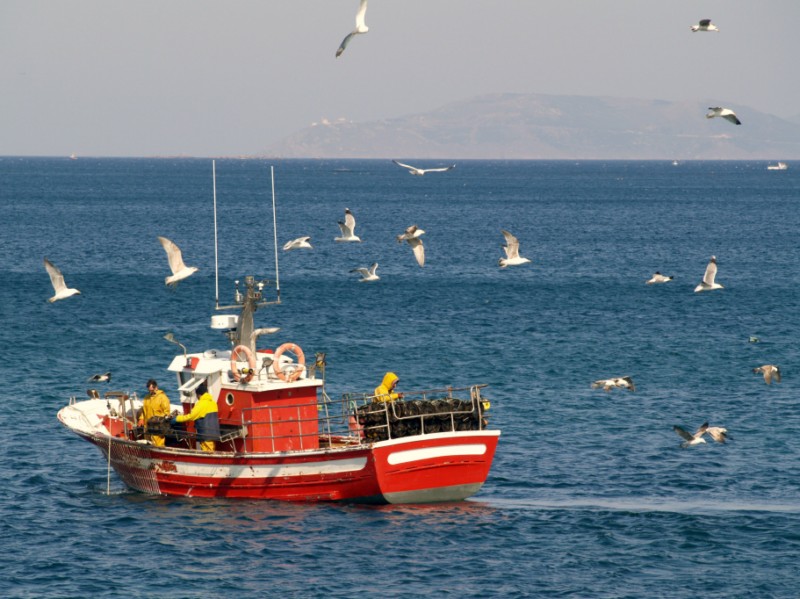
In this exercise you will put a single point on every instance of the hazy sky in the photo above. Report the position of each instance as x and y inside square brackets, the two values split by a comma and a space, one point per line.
[231, 77]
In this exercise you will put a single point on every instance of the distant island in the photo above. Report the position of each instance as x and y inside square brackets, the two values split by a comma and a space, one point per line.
[540, 126]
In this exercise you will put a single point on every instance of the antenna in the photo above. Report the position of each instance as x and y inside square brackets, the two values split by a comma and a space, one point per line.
[275, 236]
[216, 254]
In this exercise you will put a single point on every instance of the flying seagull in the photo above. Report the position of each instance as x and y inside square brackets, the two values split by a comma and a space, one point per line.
[725, 113]
[179, 270]
[57, 279]
[718, 433]
[708, 283]
[512, 252]
[296, 244]
[658, 278]
[361, 27]
[413, 170]
[412, 236]
[367, 274]
[348, 227]
[623, 382]
[691, 439]
[770, 372]
[99, 378]
[704, 25]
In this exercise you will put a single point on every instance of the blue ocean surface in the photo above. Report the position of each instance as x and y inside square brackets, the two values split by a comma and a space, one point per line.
[590, 494]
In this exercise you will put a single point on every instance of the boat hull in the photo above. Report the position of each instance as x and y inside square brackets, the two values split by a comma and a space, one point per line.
[419, 469]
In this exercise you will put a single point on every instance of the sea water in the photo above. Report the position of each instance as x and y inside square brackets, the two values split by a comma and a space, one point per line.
[590, 494]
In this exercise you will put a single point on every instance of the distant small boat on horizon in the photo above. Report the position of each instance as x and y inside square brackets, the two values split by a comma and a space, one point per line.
[73, 156]
[675, 163]
[781, 166]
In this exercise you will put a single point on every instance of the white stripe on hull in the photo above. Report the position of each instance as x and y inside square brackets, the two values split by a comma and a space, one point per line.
[425, 453]
[268, 470]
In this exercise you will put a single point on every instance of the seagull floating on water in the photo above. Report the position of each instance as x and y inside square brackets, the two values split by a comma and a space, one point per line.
[659, 278]
[412, 236]
[623, 382]
[99, 378]
[348, 227]
[770, 372]
[704, 25]
[691, 439]
[179, 270]
[57, 280]
[725, 113]
[296, 244]
[512, 252]
[421, 171]
[708, 283]
[361, 27]
[367, 274]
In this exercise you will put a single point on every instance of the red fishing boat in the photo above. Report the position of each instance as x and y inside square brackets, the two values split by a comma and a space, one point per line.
[282, 437]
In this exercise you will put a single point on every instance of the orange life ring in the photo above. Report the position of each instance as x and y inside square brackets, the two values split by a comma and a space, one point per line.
[251, 362]
[301, 362]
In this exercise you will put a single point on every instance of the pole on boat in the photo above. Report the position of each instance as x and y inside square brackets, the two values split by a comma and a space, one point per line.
[216, 253]
[275, 236]
[108, 470]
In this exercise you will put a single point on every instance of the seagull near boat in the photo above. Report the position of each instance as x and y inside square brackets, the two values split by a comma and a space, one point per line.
[348, 227]
[658, 278]
[709, 278]
[704, 25]
[361, 27]
[691, 439]
[622, 382]
[57, 280]
[367, 274]
[512, 252]
[179, 270]
[100, 378]
[412, 236]
[297, 244]
[725, 113]
[770, 372]
[421, 171]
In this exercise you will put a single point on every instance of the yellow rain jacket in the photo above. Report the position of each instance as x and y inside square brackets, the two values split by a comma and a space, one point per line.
[154, 404]
[384, 392]
[205, 407]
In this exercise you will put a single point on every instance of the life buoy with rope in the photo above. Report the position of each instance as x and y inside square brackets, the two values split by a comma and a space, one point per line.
[301, 362]
[251, 362]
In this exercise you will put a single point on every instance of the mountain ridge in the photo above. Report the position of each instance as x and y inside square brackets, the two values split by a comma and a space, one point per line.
[544, 126]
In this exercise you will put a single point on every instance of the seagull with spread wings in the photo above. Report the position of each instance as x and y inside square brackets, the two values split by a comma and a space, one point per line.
[412, 236]
[709, 278]
[297, 244]
[367, 274]
[704, 25]
[57, 280]
[348, 228]
[421, 171]
[179, 270]
[361, 27]
[512, 252]
[725, 113]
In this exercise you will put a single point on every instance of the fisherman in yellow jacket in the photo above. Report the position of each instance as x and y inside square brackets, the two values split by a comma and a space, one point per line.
[205, 417]
[385, 391]
[155, 403]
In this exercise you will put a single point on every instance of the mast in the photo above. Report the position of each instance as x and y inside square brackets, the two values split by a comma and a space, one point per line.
[275, 236]
[216, 253]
